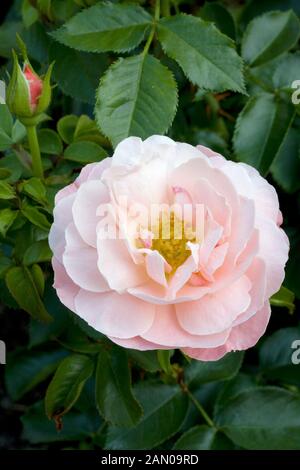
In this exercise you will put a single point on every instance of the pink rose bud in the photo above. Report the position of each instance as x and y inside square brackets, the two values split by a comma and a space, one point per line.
[28, 95]
[35, 86]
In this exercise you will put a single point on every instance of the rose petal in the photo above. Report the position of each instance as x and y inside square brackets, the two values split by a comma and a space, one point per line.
[62, 218]
[120, 316]
[166, 330]
[80, 262]
[88, 198]
[214, 313]
[65, 287]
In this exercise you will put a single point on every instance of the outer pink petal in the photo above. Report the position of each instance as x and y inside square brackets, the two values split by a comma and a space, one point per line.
[217, 312]
[64, 192]
[266, 199]
[274, 248]
[138, 343]
[257, 276]
[65, 287]
[92, 171]
[208, 152]
[247, 334]
[62, 217]
[213, 354]
[241, 337]
[166, 330]
[128, 152]
[88, 198]
[80, 262]
[120, 316]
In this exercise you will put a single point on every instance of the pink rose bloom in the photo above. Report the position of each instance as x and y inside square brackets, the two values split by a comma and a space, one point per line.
[207, 294]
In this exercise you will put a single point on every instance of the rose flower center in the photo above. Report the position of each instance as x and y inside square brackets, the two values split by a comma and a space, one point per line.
[170, 239]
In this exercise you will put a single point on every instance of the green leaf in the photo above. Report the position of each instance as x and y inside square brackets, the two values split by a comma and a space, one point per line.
[137, 96]
[25, 370]
[40, 333]
[285, 168]
[34, 216]
[219, 15]
[105, 27]
[5, 141]
[38, 277]
[6, 191]
[84, 152]
[199, 372]
[75, 340]
[275, 356]
[260, 130]
[284, 298]
[11, 163]
[18, 132]
[66, 385]
[70, 63]
[29, 14]
[265, 418]
[165, 407]
[113, 385]
[207, 57]
[270, 35]
[145, 359]
[77, 425]
[7, 217]
[254, 8]
[37, 41]
[38, 252]
[35, 189]
[66, 127]
[86, 129]
[290, 62]
[232, 388]
[21, 285]
[6, 120]
[8, 41]
[202, 438]
[4, 173]
[5, 264]
[164, 357]
[64, 10]
[50, 142]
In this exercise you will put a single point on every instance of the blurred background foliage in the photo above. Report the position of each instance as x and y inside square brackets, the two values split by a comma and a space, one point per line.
[66, 386]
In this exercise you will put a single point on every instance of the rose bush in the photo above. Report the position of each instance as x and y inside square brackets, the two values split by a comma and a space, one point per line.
[207, 297]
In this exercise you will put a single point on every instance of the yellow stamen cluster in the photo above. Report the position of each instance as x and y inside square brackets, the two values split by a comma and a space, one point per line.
[170, 240]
